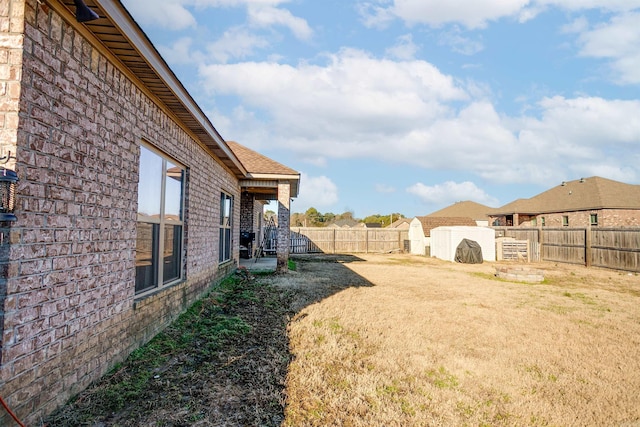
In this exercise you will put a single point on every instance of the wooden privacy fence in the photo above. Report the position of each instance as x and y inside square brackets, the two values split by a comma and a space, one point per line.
[617, 248]
[347, 240]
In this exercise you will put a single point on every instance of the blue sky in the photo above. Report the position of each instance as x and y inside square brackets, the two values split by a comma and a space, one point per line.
[412, 105]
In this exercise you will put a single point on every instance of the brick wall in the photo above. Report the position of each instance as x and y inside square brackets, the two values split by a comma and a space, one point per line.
[246, 212]
[606, 218]
[70, 311]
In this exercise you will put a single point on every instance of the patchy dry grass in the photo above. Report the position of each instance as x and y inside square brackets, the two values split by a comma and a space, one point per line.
[435, 343]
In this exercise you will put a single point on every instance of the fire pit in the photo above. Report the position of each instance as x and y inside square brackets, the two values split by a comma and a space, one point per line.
[520, 274]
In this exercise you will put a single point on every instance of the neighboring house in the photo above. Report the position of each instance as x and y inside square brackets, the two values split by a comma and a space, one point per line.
[401, 224]
[420, 230]
[347, 223]
[585, 202]
[476, 211]
[128, 205]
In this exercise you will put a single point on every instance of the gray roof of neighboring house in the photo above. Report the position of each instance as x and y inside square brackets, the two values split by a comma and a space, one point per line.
[346, 222]
[400, 223]
[430, 222]
[579, 195]
[466, 208]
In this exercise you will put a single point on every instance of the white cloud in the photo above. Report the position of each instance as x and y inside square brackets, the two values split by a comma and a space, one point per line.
[181, 52]
[175, 15]
[404, 49]
[170, 14]
[578, 25]
[470, 13]
[586, 136]
[450, 192]
[619, 41]
[459, 43]
[316, 191]
[353, 92]
[606, 5]
[267, 16]
[236, 43]
[408, 112]
[475, 14]
[374, 16]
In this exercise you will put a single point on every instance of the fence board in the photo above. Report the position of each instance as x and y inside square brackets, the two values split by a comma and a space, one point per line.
[617, 248]
[349, 240]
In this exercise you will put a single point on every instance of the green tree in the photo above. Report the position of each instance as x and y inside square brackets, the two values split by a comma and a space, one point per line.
[313, 217]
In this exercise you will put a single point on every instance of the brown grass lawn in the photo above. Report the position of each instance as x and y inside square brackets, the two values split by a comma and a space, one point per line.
[400, 340]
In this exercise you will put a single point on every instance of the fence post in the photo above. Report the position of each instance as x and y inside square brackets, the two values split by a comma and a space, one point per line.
[334, 240]
[587, 246]
[366, 240]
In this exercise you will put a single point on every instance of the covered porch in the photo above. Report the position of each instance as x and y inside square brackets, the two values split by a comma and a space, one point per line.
[266, 180]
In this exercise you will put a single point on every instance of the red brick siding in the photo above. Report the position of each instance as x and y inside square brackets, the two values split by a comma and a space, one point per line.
[70, 311]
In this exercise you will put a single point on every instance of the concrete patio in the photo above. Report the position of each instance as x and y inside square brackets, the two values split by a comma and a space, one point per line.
[259, 264]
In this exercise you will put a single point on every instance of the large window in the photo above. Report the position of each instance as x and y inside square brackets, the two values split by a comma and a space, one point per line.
[226, 227]
[160, 221]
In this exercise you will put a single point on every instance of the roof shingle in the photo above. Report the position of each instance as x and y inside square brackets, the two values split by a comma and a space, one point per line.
[431, 222]
[256, 163]
[466, 208]
[579, 195]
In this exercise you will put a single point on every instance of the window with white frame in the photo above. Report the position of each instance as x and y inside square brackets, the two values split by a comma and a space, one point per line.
[226, 227]
[160, 221]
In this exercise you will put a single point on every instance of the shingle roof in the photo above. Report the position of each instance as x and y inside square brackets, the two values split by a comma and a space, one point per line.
[400, 223]
[256, 163]
[466, 208]
[431, 222]
[579, 195]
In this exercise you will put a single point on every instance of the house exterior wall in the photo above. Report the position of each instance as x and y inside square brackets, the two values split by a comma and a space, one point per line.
[606, 218]
[69, 311]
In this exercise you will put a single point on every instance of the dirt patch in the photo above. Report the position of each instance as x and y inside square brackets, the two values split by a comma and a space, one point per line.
[405, 340]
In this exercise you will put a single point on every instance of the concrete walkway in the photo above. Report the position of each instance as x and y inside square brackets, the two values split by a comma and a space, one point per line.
[259, 264]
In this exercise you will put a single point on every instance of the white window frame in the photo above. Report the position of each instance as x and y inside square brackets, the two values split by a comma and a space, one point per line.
[225, 236]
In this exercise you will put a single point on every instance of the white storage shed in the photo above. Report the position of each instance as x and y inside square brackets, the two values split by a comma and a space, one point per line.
[445, 240]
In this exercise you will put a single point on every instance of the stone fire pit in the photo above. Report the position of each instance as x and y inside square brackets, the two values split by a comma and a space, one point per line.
[520, 274]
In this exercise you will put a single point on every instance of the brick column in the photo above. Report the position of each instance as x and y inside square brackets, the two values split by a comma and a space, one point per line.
[282, 250]
[246, 212]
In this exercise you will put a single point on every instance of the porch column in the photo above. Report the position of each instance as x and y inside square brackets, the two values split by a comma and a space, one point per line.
[284, 214]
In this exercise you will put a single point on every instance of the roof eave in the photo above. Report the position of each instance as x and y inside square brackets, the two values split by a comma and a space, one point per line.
[293, 179]
[138, 39]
